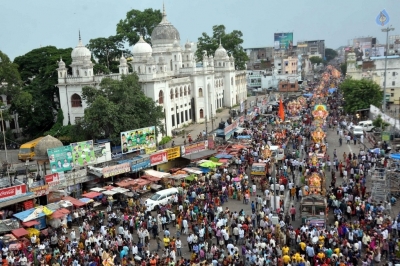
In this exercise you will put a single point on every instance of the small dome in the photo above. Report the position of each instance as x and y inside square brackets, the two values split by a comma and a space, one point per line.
[45, 143]
[176, 43]
[61, 63]
[221, 52]
[122, 60]
[188, 45]
[161, 60]
[165, 32]
[142, 47]
[80, 52]
[231, 58]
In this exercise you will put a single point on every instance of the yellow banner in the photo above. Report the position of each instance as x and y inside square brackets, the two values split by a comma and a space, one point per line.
[173, 153]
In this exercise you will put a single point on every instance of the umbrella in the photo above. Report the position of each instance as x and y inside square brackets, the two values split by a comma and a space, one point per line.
[210, 164]
[332, 90]
[308, 94]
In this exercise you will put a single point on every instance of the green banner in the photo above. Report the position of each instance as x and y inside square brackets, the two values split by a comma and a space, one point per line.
[83, 153]
[139, 139]
[60, 159]
[385, 136]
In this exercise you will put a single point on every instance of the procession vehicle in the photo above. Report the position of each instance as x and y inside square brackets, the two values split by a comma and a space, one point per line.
[258, 172]
[313, 210]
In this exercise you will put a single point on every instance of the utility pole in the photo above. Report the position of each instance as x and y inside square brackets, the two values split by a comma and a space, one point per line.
[206, 126]
[386, 57]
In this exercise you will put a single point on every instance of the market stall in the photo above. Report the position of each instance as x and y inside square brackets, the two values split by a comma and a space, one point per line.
[77, 203]
[91, 195]
[157, 173]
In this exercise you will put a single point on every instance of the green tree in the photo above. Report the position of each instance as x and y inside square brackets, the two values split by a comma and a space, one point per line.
[330, 54]
[10, 78]
[360, 94]
[343, 69]
[316, 60]
[117, 105]
[232, 42]
[35, 101]
[107, 51]
[138, 23]
[380, 123]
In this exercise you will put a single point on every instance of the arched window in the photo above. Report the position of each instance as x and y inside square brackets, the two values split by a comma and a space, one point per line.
[76, 100]
[231, 80]
[201, 113]
[77, 72]
[200, 92]
[176, 93]
[175, 57]
[86, 73]
[161, 97]
[60, 74]
[187, 57]
[180, 92]
[185, 91]
[172, 94]
[189, 90]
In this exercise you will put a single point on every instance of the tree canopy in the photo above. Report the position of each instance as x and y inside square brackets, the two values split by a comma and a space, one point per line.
[330, 54]
[138, 23]
[232, 42]
[360, 94]
[107, 51]
[117, 105]
[9, 74]
[316, 60]
[35, 101]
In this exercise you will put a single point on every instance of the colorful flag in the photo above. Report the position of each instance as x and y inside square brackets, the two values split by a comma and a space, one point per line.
[281, 112]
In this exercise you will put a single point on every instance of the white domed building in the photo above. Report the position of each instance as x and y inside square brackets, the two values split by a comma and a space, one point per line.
[188, 90]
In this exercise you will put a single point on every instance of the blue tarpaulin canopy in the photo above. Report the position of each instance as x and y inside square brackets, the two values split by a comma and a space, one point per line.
[376, 150]
[395, 156]
[308, 94]
[223, 156]
[85, 200]
[243, 137]
[24, 215]
[332, 90]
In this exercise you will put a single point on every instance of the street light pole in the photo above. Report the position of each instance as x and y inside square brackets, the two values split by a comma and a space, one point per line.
[386, 57]
[5, 144]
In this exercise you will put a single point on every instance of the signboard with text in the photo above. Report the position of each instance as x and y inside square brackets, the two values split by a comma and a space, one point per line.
[83, 153]
[40, 190]
[158, 158]
[139, 165]
[283, 41]
[193, 148]
[139, 139]
[231, 127]
[173, 153]
[12, 191]
[60, 159]
[116, 169]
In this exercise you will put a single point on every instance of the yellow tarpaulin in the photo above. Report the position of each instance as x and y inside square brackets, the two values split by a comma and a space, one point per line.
[33, 231]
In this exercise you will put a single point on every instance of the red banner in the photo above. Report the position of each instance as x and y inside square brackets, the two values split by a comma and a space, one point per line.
[211, 143]
[12, 191]
[231, 127]
[52, 177]
[193, 148]
[159, 157]
[28, 204]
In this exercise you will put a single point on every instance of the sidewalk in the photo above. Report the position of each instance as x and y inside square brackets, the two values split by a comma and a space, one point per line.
[196, 128]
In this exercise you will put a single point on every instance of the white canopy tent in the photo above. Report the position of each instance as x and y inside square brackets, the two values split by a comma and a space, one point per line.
[157, 173]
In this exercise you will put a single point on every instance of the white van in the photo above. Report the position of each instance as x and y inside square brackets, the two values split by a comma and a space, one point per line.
[277, 153]
[367, 125]
[358, 131]
[161, 197]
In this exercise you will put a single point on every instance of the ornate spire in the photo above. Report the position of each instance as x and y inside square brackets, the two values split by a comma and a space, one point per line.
[164, 15]
[80, 35]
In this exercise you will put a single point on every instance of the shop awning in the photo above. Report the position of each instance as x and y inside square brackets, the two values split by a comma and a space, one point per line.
[75, 202]
[33, 214]
[152, 178]
[156, 173]
[190, 170]
[30, 223]
[108, 188]
[19, 232]
[91, 195]
[199, 155]
[60, 213]
[120, 190]
[239, 130]
[86, 200]
[16, 199]
[109, 192]
[97, 189]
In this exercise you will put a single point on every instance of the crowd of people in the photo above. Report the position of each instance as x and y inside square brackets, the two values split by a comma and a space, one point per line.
[198, 228]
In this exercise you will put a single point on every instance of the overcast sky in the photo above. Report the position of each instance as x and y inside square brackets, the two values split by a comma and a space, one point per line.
[27, 24]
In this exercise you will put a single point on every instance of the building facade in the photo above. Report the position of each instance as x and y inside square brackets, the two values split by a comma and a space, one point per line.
[188, 91]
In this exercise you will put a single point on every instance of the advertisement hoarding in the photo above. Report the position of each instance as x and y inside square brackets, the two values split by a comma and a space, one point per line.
[158, 158]
[173, 153]
[61, 159]
[231, 127]
[193, 148]
[12, 191]
[363, 47]
[116, 170]
[139, 139]
[102, 152]
[378, 51]
[40, 190]
[283, 41]
[83, 153]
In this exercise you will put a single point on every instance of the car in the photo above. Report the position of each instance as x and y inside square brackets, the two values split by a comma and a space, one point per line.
[161, 197]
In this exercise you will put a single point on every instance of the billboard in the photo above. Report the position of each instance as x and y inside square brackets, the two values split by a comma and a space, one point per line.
[139, 139]
[102, 152]
[283, 41]
[61, 159]
[363, 47]
[378, 51]
[173, 153]
[83, 153]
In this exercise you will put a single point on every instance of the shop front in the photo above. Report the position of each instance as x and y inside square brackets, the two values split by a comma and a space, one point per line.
[228, 131]
[173, 159]
[196, 151]
[15, 194]
[114, 170]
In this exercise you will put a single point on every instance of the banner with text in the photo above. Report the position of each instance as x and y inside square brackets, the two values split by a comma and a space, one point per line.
[102, 152]
[60, 159]
[193, 148]
[83, 153]
[40, 190]
[158, 158]
[173, 153]
[13, 191]
[229, 128]
[139, 139]
[116, 169]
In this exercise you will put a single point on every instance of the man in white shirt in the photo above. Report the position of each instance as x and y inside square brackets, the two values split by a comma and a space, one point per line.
[178, 245]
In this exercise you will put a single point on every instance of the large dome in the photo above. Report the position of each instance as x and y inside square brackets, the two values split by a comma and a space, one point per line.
[80, 52]
[141, 47]
[165, 32]
[45, 143]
